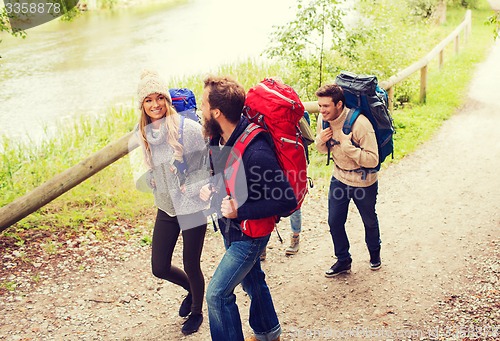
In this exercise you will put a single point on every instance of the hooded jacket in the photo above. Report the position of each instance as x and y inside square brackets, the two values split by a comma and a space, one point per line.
[262, 188]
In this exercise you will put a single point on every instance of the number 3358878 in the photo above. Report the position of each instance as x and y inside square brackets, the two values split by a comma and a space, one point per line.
[33, 8]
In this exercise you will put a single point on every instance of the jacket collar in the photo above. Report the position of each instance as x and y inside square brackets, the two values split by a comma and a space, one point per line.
[240, 128]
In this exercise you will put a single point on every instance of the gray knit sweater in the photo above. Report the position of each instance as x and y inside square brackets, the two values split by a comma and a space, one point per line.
[167, 182]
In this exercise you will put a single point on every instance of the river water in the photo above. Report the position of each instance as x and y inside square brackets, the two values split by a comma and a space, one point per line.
[64, 70]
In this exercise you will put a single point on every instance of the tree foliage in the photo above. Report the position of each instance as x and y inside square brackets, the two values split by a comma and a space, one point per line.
[495, 21]
[5, 25]
[464, 3]
[376, 37]
[306, 42]
[68, 9]
[423, 8]
[328, 36]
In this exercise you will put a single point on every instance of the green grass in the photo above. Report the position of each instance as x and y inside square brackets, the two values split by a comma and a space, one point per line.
[446, 91]
[91, 206]
[8, 285]
[109, 197]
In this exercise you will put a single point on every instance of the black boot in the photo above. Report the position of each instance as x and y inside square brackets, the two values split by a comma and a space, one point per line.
[375, 262]
[339, 267]
[185, 308]
[192, 324]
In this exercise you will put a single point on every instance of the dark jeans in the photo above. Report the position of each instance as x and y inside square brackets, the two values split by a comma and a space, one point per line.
[241, 264]
[365, 199]
[165, 235]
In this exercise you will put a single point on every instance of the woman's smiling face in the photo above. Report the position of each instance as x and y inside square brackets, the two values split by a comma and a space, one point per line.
[155, 106]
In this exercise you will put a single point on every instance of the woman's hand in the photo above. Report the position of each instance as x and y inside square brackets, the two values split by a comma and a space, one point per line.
[206, 192]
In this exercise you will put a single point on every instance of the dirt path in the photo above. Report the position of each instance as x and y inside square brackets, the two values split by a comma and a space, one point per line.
[440, 220]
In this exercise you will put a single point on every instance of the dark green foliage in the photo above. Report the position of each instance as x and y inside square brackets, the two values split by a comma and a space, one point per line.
[422, 8]
[471, 4]
[307, 41]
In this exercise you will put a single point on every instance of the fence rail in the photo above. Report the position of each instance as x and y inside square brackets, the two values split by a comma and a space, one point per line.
[63, 182]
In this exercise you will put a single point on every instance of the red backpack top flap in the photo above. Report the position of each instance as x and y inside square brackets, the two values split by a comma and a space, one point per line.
[276, 102]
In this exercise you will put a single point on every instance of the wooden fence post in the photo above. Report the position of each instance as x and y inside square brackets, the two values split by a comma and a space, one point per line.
[423, 84]
[390, 94]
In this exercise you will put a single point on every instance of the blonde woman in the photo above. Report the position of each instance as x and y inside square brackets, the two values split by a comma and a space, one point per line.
[176, 192]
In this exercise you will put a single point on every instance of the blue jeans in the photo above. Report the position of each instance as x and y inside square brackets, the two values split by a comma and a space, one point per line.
[241, 264]
[365, 199]
[296, 221]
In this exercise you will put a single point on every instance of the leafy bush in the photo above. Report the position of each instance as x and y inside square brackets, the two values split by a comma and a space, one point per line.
[306, 42]
[464, 3]
[495, 21]
[422, 8]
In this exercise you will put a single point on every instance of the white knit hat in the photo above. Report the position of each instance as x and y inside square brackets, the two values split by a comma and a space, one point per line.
[151, 83]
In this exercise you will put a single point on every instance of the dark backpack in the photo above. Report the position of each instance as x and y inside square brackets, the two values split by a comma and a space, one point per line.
[364, 96]
[184, 102]
[276, 107]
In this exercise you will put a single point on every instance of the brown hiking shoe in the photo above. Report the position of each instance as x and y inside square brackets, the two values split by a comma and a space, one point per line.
[294, 245]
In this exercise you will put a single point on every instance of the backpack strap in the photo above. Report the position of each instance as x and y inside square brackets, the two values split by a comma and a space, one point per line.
[234, 159]
[251, 227]
[181, 166]
[329, 144]
[352, 115]
[181, 129]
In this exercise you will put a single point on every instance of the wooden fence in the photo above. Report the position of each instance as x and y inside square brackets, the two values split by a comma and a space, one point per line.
[63, 182]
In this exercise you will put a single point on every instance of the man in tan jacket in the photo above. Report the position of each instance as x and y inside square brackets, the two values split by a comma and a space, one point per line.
[355, 155]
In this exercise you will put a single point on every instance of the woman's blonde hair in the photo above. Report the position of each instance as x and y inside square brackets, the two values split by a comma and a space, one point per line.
[172, 122]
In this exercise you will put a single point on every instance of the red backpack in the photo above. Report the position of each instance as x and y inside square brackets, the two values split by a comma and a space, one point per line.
[277, 108]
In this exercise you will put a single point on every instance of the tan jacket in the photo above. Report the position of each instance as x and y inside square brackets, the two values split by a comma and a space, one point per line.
[348, 157]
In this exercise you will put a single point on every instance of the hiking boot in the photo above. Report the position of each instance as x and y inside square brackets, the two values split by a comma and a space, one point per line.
[192, 324]
[294, 245]
[185, 308]
[253, 338]
[338, 268]
[375, 262]
[263, 255]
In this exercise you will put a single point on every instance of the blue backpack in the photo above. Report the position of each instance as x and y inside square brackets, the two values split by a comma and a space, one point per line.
[184, 102]
[364, 96]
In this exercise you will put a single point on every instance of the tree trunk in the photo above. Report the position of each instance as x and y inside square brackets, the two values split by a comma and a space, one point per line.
[440, 13]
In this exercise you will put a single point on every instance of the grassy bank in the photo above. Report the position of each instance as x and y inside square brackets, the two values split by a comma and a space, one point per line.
[110, 197]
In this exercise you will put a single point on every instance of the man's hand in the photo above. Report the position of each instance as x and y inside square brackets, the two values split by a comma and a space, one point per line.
[206, 192]
[228, 208]
[325, 135]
